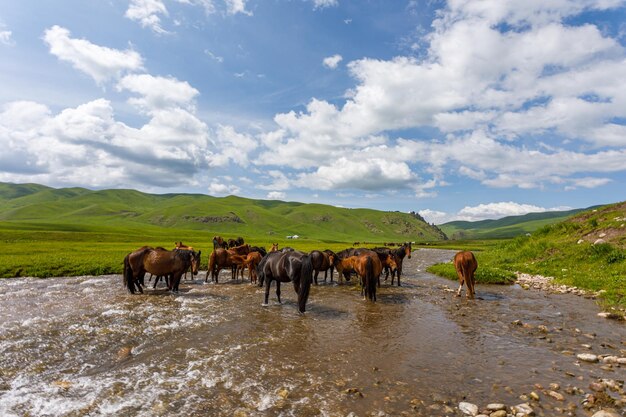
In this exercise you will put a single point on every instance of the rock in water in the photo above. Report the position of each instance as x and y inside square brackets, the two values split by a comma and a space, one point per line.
[587, 357]
[468, 409]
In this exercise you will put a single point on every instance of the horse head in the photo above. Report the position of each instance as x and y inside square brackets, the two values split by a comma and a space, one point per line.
[195, 262]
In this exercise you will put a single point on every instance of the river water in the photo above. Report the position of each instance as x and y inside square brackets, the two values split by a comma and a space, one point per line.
[84, 346]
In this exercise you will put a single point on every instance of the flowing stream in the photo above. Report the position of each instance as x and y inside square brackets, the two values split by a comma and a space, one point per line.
[84, 346]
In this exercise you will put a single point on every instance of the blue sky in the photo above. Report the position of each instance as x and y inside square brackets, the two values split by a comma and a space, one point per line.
[466, 109]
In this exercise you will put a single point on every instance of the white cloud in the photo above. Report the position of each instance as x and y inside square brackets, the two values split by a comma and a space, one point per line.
[158, 92]
[587, 182]
[147, 13]
[276, 195]
[232, 146]
[99, 62]
[364, 174]
[490, 90]
[279, 181]
[5, 37]
[237, 6]
[87, 146]
[434, 216]
[220, 188]
[321, 4]
[332, 61]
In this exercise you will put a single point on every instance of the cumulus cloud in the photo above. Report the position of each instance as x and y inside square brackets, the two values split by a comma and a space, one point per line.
[158, 92]
[221, 187]
[489, 90]
[363, 174]
[276, 195]
[332, 61]
[232, 147]
[99, 62]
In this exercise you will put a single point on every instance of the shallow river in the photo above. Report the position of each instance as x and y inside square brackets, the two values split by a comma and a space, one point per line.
[84, 346]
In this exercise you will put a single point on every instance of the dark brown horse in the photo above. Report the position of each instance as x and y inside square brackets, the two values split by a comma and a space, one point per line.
[322, 261]
[160, 262]
[465, 264]
[368, 267]
[285, 267]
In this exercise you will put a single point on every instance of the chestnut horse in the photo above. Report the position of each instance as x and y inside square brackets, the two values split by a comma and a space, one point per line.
[285, 267]
[158, 262]
[465, 264]
[368, 267]
[223, 258]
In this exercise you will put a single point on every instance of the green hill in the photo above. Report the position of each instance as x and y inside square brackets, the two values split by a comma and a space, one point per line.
[506, 227]
[37, 207]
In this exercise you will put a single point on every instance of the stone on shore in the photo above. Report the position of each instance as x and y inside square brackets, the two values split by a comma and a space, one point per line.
[468, 409]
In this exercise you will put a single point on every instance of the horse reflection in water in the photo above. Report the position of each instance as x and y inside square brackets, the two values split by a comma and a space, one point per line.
[160, 262]
[285, 267]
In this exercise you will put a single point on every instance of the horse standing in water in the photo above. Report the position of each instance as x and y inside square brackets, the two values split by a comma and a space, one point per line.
[465, 264]
[161, 262]
[285, 267]
[366, 263]
[322, 261]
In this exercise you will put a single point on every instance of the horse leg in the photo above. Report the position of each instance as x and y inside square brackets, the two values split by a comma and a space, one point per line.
[268, 283]
[461, 281]
[156, 281]
[278, 291]
[140, 281]
[399, 270]
[315, 276]
[470, 286]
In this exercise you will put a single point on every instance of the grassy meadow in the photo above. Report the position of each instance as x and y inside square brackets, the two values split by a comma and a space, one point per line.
[74, 231]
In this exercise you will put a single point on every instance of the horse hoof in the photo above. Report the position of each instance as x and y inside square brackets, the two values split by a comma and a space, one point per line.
[265, 305]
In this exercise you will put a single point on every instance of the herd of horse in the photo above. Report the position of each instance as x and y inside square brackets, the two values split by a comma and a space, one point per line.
[284, 265]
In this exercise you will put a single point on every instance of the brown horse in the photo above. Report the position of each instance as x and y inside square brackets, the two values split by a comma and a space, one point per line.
[465, 264]
[285, 267]
[368, 267]
[225, 258]
[321, 261]
[251, 262]
[274, 247]
[158, 262]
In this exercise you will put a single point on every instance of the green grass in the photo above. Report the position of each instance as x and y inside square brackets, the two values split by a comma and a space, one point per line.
[555, 251]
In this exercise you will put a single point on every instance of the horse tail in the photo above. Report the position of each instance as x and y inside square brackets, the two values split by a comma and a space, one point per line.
[128, 275]
[306, 277]
[370, 279]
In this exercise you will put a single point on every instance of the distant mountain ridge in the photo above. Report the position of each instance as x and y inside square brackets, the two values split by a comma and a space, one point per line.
[506, 227]
[39, 206]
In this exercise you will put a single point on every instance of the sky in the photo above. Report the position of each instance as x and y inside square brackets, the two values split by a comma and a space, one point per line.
[459, 109]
